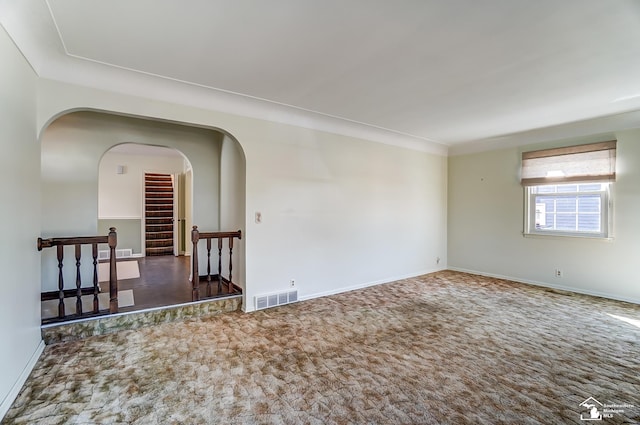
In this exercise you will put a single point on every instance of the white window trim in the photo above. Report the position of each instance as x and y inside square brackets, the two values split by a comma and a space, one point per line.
[606, 218]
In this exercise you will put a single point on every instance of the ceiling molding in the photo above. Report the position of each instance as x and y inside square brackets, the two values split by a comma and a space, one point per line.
[49, 59]
[433, 79]
[104, 77]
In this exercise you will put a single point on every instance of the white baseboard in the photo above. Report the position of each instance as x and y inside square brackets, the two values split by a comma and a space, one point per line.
[366, 284]
[550, 285]
[250, 307]
[15, 390]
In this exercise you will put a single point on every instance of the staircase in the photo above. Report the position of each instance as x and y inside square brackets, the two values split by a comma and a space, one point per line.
[159, 214]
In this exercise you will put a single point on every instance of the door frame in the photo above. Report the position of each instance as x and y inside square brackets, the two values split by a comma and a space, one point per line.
[179, 220]
[143, 222]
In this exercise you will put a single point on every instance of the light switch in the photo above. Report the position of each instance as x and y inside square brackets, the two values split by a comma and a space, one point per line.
[258, 217]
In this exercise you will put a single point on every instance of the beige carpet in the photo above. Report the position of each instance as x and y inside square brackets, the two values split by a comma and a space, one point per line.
[50, 308]
[446, 348]
[124, 269]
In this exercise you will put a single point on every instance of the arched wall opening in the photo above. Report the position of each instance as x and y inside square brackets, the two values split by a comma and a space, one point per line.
[146, 226]
[74, 144]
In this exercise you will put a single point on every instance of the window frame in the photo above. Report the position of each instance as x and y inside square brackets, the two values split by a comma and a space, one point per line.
[606, 212]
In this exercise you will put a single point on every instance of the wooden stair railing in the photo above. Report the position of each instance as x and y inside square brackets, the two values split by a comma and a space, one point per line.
[112, 240]
[196, 236]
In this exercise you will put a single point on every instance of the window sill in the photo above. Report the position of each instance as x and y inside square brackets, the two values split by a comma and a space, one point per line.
[566, 236]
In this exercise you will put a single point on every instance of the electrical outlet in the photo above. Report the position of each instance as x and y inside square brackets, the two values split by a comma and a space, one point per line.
[558, 273]
[437, 260]
[292, 283]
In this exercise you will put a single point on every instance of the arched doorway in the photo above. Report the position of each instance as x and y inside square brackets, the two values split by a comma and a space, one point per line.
[73, 147]
[145, 191]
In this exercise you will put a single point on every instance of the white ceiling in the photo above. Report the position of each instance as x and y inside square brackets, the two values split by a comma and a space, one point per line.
[443, 73]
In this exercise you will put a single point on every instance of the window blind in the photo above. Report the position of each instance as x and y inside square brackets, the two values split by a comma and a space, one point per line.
[582, 163]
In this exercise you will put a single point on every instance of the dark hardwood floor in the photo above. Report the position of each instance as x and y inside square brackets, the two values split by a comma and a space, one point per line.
[163, 281]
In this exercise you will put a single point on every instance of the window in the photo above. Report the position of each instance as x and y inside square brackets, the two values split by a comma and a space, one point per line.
[569, 209]
[568, 190]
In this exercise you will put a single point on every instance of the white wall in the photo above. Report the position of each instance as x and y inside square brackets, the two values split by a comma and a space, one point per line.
[486, 204]
[73, 145]
[188, 210]
[232, 185]
[338, 212]
[121, 195]
[19, 223]
[129, 232]
[232, 201]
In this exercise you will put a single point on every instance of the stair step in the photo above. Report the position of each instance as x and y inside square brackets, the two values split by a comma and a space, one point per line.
[158, 229]
[159, 235]
[160, 193]
[159, 251]
[160, 243]
[159, 200]
[160, 214]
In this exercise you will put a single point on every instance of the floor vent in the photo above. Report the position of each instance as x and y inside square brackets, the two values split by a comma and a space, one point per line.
[120, 253]
[273, 300]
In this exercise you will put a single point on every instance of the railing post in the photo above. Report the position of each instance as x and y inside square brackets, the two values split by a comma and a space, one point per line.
[94, 252]
[60, 255]
[219, 265]
[195, 276]
[208, 267]
[230, 285]
[61, 294]
[113, 274]
[78, 280]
